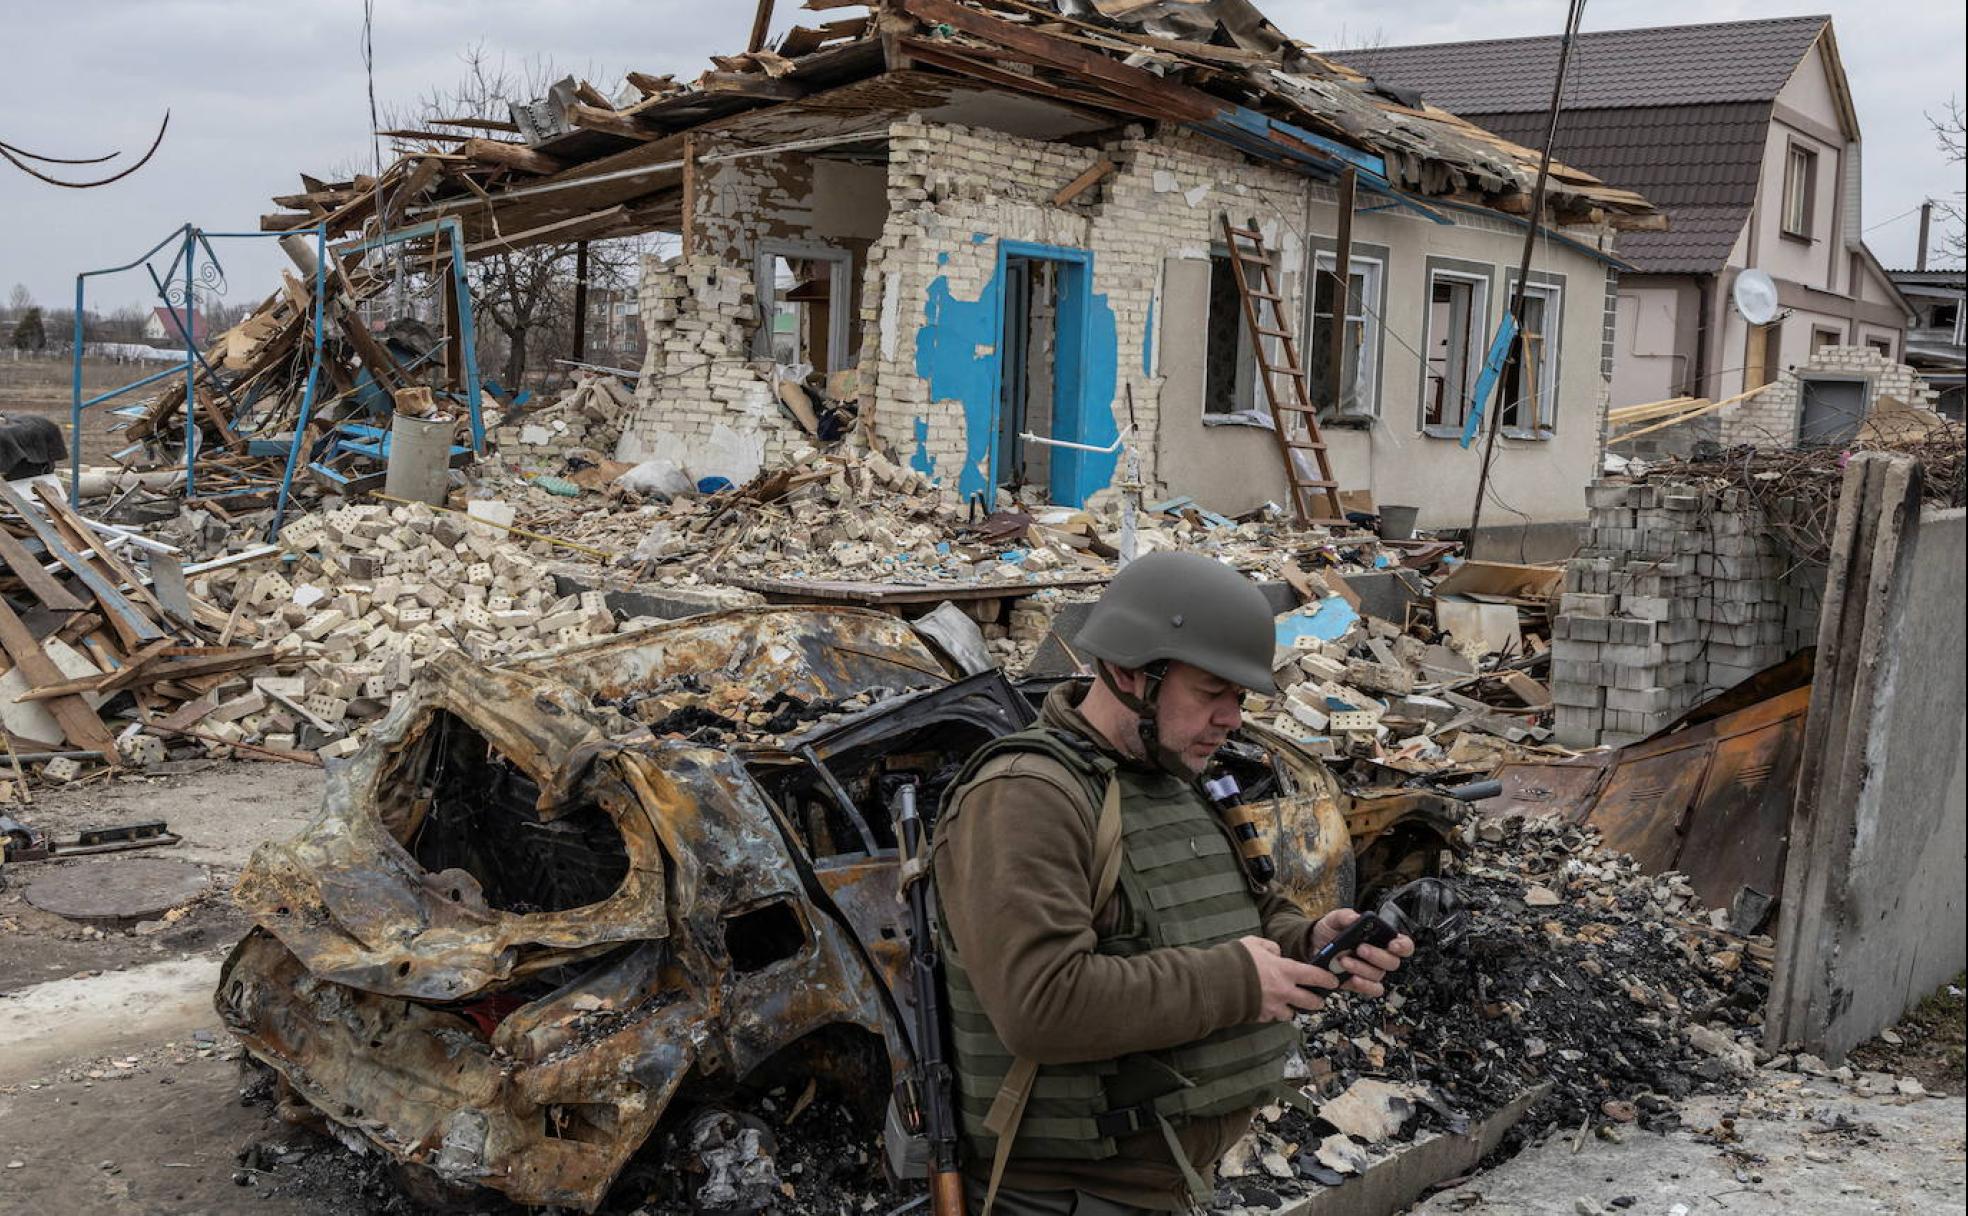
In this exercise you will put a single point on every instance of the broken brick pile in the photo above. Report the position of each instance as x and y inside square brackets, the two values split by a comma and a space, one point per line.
[587, 415]
[370, 592]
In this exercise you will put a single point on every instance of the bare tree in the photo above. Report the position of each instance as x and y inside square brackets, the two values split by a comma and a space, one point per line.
[19, 300]
[523, 298]
[1948, 133]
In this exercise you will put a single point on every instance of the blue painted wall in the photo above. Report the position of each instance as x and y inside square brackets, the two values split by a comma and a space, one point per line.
[957, 352]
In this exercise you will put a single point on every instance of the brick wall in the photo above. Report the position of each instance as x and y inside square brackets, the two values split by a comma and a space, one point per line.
[702, 400]
[1677, 592]
[1771, 418]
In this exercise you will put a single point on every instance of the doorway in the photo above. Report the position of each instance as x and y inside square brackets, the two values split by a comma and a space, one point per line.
[1045, 295]
[1833, 410]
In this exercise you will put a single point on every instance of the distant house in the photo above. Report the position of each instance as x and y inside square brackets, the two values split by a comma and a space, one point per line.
[166, 327]
[1935, 343]
[1744, 133]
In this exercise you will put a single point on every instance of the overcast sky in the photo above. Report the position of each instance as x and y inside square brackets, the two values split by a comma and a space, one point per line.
[261, 89]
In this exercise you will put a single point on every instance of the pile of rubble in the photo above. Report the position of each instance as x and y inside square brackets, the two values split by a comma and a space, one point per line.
[371, 590]
[586, 417]
[1606, 993]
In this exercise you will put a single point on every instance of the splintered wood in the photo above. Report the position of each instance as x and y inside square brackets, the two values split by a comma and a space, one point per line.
[100, 636]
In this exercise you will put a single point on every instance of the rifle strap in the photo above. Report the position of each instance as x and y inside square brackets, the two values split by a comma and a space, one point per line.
[1008, 1108]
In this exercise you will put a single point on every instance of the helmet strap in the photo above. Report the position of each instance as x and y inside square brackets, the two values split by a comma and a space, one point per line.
[1143, 707]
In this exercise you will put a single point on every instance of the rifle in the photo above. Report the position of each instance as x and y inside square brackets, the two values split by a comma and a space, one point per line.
[929, 1091]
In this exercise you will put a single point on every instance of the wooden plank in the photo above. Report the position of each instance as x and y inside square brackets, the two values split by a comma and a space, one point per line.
[79, 723]
[608, 122]
[746, 84]
[1101, 70]
[512, 156]
[761, 25]
[560, 230]
[1096, 173]
[43, 585]
[1342, 288]
[131, 625]
[85, 537]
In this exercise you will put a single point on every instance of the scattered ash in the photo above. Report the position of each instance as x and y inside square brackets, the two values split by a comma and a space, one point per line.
[1575, 969]
[730, 716]
[823, 1158]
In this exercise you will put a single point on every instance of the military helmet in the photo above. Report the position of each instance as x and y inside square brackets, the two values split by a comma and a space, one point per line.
[1189, 608]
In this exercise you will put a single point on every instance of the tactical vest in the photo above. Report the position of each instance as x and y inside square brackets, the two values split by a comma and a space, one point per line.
[1184, 886]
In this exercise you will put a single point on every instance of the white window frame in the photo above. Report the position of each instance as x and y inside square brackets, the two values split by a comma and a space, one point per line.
[1372, 272]
[1546, 414]
[840, 279]
[1479, 323]
[1799, 183]
[1252, 406]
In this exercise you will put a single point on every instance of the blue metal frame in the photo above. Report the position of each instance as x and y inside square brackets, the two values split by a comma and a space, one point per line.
[1071, 329]
[190, 240]
[449, 226]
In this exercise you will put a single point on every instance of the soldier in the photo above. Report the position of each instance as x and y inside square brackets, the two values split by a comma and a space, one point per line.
[1121, 993]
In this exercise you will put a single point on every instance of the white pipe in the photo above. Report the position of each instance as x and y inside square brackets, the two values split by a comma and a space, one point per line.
[1109, 450]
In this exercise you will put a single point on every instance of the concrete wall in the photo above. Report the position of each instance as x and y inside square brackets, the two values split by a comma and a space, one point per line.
[1872, 913]
[1907, 926]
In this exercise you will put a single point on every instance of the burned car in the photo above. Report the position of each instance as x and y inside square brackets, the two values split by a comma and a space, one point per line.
[548, 904]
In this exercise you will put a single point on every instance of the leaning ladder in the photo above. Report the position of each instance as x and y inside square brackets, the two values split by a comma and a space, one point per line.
[1294, 419]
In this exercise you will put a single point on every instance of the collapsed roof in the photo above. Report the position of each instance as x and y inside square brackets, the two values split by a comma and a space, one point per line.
[588, 168]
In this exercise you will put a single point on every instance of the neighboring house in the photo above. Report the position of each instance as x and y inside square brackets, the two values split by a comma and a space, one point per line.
[1937, 341]
[1744, 133]
[166, 327]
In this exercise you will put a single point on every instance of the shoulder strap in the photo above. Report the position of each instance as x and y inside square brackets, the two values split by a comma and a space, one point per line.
[1008, 1108]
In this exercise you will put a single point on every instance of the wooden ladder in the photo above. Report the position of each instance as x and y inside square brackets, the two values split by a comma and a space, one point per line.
[1294, 419]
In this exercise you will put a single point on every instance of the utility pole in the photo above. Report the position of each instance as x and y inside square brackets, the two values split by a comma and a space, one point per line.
[581, 301]
[1926, 223]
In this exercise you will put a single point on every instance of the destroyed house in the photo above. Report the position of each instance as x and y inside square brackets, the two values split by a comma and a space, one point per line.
[999, 222]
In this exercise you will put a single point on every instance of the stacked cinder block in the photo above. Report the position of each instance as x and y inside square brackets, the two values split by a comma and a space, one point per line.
[1626, 647]
[1677, 592]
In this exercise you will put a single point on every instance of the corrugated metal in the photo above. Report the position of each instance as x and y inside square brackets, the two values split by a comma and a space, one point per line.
[1665, 66]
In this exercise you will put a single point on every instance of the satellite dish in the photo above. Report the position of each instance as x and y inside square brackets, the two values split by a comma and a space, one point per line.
[1755, 296]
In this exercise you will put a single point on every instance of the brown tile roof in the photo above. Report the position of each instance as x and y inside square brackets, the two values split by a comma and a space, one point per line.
[1677, 113]
[1664, 66]
[1698, 163]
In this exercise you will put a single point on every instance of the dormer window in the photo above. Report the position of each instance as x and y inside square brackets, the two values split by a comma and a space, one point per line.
[1800, 185]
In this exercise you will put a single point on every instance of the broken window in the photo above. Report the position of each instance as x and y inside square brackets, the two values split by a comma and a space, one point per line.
[1457, 304]
[1883, 345]
[1943, 316]
[1530, 388]
[1800, 183]
[476, 811]
[1359, 391]
[1229, 382]
[802, 301]
[1821, 338]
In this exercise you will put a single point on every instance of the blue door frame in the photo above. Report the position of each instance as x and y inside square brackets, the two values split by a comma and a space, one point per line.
[1065, 482]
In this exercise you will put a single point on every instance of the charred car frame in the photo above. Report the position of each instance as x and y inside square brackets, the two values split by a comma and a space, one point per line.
[525, 924]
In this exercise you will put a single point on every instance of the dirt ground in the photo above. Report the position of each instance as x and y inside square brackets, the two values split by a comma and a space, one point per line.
[119, 1090]
[45, 387]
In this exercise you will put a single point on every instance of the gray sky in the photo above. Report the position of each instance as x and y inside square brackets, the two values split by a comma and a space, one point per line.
[261, 89]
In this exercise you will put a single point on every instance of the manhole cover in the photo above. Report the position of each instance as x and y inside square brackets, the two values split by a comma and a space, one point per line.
[117, 892]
